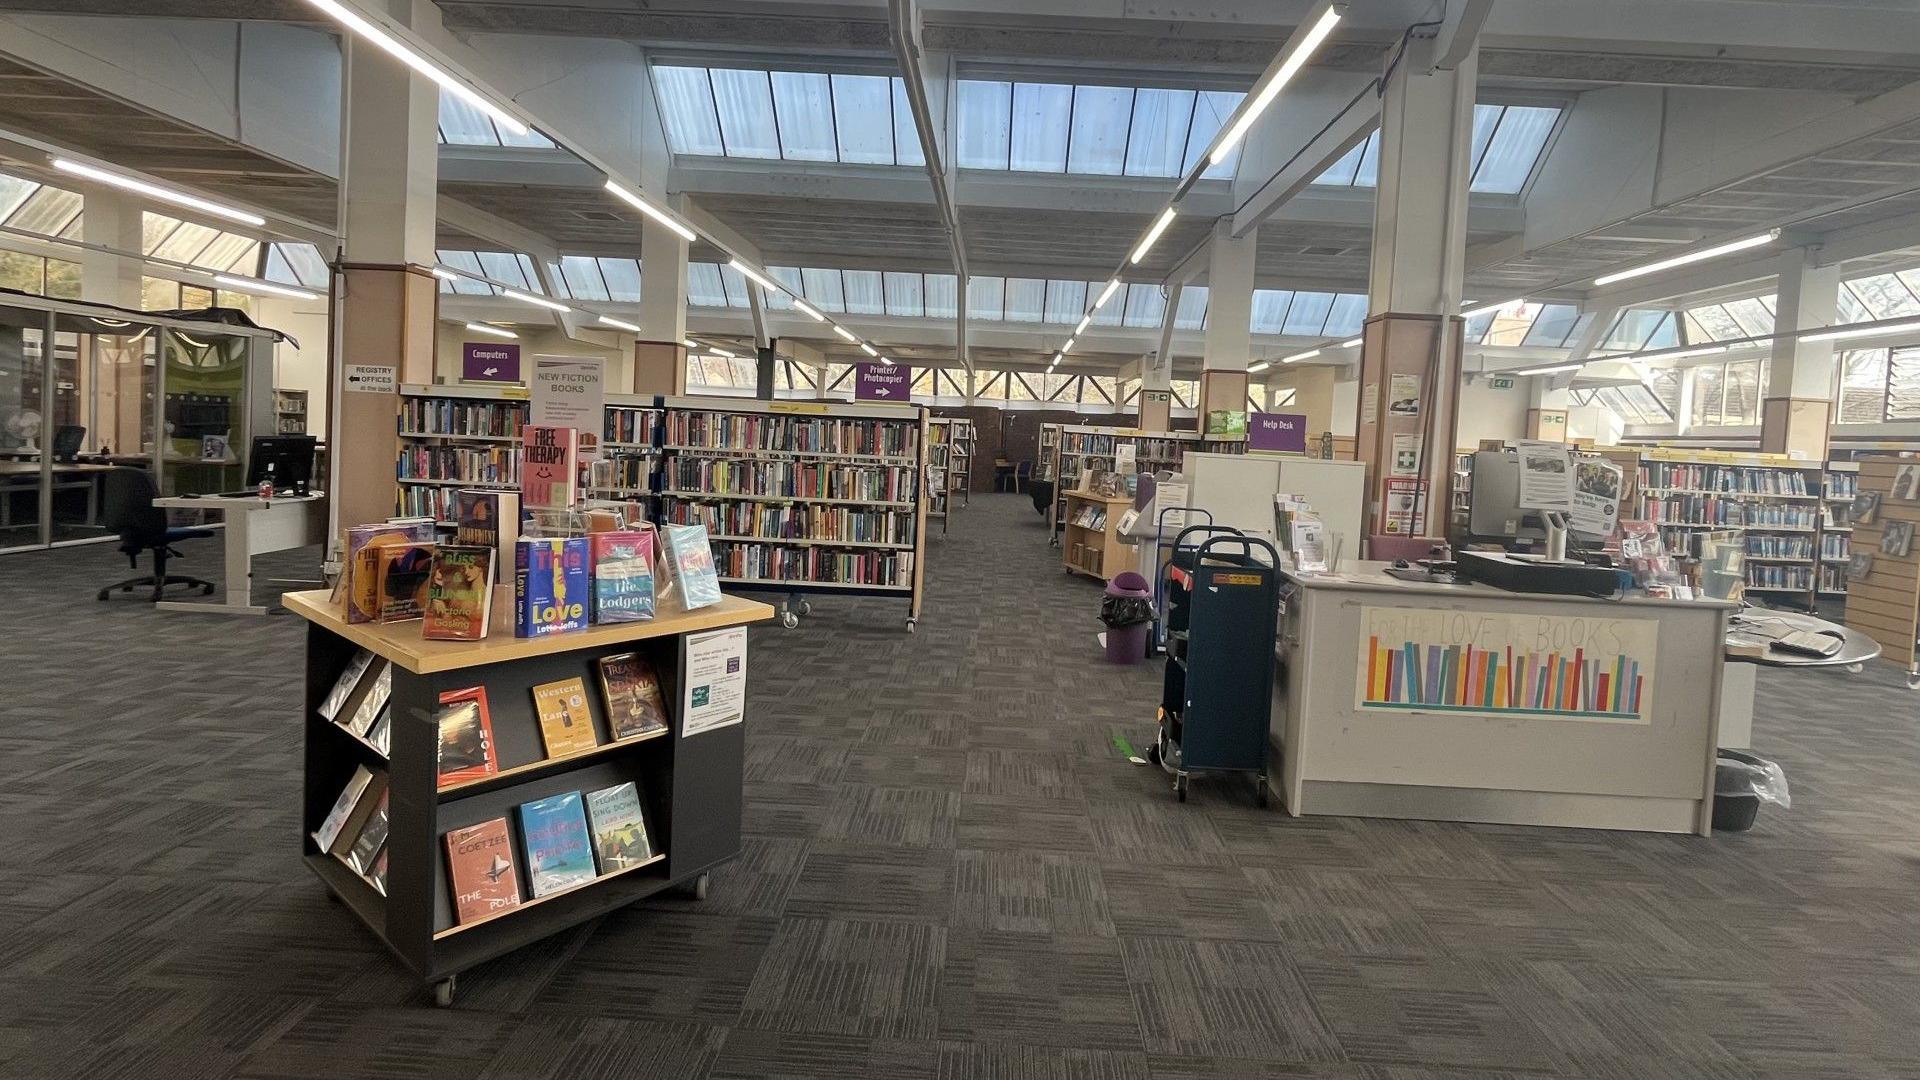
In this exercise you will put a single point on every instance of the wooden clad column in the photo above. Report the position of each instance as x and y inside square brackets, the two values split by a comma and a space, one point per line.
[387, 318]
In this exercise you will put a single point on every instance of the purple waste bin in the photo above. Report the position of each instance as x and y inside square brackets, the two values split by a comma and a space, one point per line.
[1127, 611]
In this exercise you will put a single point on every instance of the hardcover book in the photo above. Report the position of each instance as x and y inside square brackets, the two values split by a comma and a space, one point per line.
[344, 686]
[480, 869]
[377, 877]
[459, 594]
[489, 519]
[336, 820]
[622, 576]
[692, 557]
[634, 703]
[374, 701]
[619, 827]
[549, 473]
[381, 734]
[362, 571]
[551, 586]
[401, 571]
[466, 736]
[566, 724]
[372, 839]
[558, 851]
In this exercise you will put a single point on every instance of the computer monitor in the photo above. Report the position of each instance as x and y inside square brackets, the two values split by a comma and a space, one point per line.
[67, 440]
[1494, 510]
[285, 459]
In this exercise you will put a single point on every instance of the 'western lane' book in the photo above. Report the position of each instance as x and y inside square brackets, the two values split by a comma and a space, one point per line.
[549, 474]
[619, 827]
[480, 869]
[566, 724]
[551, 586]
[466, 736]
[634, 703]
[459, 594]
[622, 576]
[558, 851]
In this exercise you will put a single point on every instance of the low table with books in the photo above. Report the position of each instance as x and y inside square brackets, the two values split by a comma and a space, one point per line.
[466, 797]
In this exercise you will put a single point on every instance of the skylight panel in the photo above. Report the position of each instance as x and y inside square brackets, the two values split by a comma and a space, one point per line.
[1551, 326]
[790, 277]
[986, 298]
[1269, 310]
[687, 112]
[1210, 110]
[277, 268]
[1308, 315]
[824, 290]
[1851, 309]
[1040, 121]
[1341, 172]
[703, 285]
[501, 266]
[744, 103]
[50, 210]
[1485, 119]
[582, 275]
[906, 137]
[184, 244]
[230, 251]
[1146, 305]
[1714, 322]
[1026, 299]
[985, 123]
[1367, 173]
[14, 191]
[465, 260]
[1883, 294]
[1631, 329]
[1348, 315]
[864, 294]
[1192, 312]
[1110, 313]
[1066, 302]
[623, 279]
[531, 140]
[735, 285]
[942, 292]
[1666, 332]
[1101, 115]
[863, 118]
[803, 105]
[1752, 315]
[1515, 146]
[903, 294]
[1157, 143]
[1475, 330]
[464, 125]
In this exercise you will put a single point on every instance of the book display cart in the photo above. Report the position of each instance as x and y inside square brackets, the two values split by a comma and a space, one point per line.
[1775, 502]
[1087, 449]
[1093, 544]
[689, 780]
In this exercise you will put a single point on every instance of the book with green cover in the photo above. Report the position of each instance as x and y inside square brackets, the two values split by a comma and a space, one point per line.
[619, 827]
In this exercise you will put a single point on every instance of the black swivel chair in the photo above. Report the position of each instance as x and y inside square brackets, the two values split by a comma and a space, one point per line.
[143, 527]
[67, 441]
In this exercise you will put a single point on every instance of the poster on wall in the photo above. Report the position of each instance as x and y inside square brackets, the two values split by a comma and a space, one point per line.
[1546, 476]
[1370, 403]
[1403, 394]
[1406, 455]
[1405, 513]
[487, 361]
[1500, 664]
[1596, 497]
[570, 391]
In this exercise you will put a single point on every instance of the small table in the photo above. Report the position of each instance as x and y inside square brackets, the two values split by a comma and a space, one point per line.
[255, 526]
[1740, 683]
[65, 475]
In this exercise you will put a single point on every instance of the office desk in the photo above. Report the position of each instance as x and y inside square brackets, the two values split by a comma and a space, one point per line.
[1741, 683]
[18, 476]
[254, 527]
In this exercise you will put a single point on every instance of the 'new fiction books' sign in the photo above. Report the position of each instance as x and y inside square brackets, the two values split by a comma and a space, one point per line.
[882, 382]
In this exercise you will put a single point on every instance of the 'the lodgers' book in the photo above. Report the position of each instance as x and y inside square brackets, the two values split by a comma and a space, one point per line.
[336, 820]
[692, 557]
[402, 571]
[362, 570]
[566, 724]
[549, 474]
[343, 687]
[634, 703]
[558, 852]
[487, 518]
[466, 736]
[551, 586]
[480, 869]
[622, 576]
[619, 827]
[459, 594]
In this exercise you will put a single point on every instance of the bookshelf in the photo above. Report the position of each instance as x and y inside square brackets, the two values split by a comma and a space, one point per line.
[942, 452]
[689, 783]
[1773, 501]
[1046, 448]
[289, 412]
[1091, 544]
[1085, 449]
[1839, 485]
[453, 437]
[960, 459]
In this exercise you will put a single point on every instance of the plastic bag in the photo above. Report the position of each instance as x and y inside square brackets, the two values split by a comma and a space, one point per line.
[1123, 611]
[1767, 778]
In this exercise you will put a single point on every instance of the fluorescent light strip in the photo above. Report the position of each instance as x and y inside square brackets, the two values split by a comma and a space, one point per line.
[178, 198]
[400, 51]
[1068, 347]
[619, 324]
[759, 279]
[539, 301]
[652, 211]
[1106, 294]
[1299, 356]
[1056, 361]
[1351, 343]
[1085, 321]
[808, 310]
[1488, 309]
[1264, 97]
[483, 328]
[1146, 242]
[1261, 366]
[1863, 331]
[844, 332]
[445, 274]
[1691, 257]
[718, 351]
[868, 349]
[1704, 350]
[255, 285]
[1550, 370]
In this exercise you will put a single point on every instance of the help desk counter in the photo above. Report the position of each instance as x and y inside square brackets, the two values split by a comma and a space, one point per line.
[1465, 702]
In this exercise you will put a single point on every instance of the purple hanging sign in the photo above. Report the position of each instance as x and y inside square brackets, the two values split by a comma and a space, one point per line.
[1277, 431]
[486, 361]
[883, 382]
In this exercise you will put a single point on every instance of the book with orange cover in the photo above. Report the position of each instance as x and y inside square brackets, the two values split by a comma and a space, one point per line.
[566, 724]
[466, 736]
[481, 871]
[459, 594]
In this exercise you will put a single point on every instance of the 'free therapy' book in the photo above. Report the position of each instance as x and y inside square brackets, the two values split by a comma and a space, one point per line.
[559, 853]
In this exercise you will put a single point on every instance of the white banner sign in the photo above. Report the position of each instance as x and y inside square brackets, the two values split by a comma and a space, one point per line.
[371, 379]
[715, 694]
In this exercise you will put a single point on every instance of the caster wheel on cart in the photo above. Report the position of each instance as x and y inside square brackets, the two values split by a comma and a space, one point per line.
[206, 590]
[1153, 753]
[695, 889]
[443, 993]
[1913, 682]
[1180, 788]
[913, 625]
[789, 619]
[1855, 669]
[806, 607]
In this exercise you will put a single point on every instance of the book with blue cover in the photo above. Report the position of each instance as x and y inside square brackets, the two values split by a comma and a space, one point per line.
[691, 556]
[559, 850]
[552, 585]
[622, 576]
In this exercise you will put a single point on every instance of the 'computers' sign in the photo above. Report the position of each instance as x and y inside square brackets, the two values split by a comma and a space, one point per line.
[484, 361]
[882, 382]
[1277, 431]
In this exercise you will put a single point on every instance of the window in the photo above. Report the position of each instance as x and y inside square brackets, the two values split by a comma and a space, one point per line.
[512, 269]
[1903, 384]
[1863, 386]
[461, 124]
[1507, 142]
[1727, 395]
[296, 264]
[1640, 328]
[1885, 296]
[1185, 392]
[1090, 130]
[845, 117]
[1711, 322]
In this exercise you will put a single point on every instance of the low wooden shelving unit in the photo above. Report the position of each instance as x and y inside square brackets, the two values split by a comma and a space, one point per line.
[1092, 544]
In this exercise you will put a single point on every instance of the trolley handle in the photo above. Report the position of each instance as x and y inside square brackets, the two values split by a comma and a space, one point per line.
[1209, 530]
[1246, 546]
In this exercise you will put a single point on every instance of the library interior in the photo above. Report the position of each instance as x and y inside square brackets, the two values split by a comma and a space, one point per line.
[498, 479]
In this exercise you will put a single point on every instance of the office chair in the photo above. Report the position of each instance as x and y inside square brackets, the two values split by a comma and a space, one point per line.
[67, 440]
[143, 527]
[1022, 475]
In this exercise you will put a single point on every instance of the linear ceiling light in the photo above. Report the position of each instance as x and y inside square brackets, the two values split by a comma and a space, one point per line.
[445, 274]
[400, 51]
[155, 191]
[1299, 356]
[1085, 321]
[1056, 361]
[1553, 369]
[1488, 309]
[759, 279]
[652, 211]
[718, 351]
[539, 301]
[1704, 350]
[496, 331]
[1261, 366]
[868, 349]
[690, 343]
[1863, 331]
[1264, 96]
[844, 332]
[1068, 347]
[1146, 242]
[1106, 294]
[1702, 255]
[255, 285]
[619, 324]
[809, 311]
[1351, 343]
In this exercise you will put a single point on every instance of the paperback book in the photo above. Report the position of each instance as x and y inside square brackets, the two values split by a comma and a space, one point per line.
[622, 576]
[361, 567]
[691, 555]
[344, 686]
[466, 736]
[635, 705]
[336, 819]
[377, 877]
[566, 724]
[459, 594]
[381, 735]
[371, 802]
[374, 702]
[402, 572]
[480, 869]
[619, 827]
[372, 839]
[558, 851]
[549, 472]
[489, 519]
[551, 586]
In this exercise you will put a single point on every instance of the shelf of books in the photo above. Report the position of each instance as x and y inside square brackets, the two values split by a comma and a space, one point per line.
[1776, 503]
[467, 798]
[1046, 450]
[1084, 450]
[941, 455]
[1093, 544]
[960, 459]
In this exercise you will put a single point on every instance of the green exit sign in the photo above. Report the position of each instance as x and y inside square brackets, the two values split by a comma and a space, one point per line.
[1500, 382]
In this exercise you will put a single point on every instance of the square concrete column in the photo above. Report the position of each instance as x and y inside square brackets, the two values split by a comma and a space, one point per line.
[114, 220]
[1156, 373]
[660, 349]
[1229, 335]
[1798, 409]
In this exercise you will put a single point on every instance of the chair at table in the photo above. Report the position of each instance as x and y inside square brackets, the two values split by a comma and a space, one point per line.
[143, 527]
[1022, 475]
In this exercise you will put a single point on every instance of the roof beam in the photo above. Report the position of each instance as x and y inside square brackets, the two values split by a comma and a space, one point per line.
[903, 30]
[1328, 113]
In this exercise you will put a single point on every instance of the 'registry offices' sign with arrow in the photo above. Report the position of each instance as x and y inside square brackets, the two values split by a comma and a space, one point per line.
[883, 382]
[485, 361]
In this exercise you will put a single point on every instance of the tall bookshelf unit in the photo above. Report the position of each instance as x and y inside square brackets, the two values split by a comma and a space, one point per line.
[941, 454]
[1046, 452]
[1773, 501]
[960, 460]
[1084, 449]
[455, 437]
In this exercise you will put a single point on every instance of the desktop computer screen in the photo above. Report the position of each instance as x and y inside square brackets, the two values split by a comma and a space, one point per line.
[285, 459]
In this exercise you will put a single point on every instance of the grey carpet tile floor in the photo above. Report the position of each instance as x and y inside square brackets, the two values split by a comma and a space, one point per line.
[949, 872]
